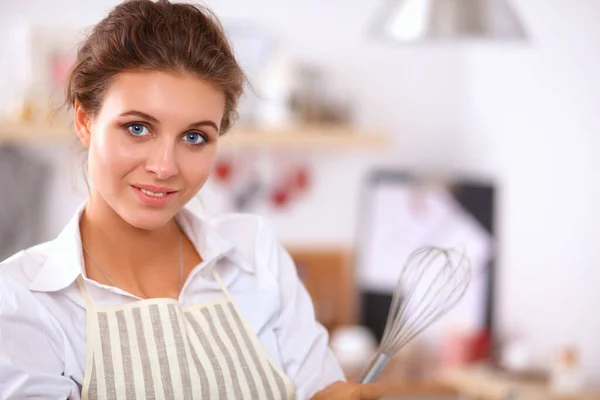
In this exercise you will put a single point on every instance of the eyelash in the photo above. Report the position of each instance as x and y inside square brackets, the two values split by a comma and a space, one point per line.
[204, 137]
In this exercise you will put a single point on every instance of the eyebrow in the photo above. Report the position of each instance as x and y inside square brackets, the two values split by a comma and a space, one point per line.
[154, 120]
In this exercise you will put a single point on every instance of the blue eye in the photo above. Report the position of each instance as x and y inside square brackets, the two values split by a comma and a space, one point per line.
[137, 129]
[194, 138]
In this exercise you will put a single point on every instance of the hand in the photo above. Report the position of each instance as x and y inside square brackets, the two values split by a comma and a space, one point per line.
[350, 391]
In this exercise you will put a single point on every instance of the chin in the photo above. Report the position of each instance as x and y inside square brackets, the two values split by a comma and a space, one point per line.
[148, 219]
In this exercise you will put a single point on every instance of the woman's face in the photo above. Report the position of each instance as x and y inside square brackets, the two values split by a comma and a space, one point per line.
[152, 144]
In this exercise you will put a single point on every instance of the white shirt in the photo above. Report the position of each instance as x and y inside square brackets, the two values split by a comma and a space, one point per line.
[43, 319]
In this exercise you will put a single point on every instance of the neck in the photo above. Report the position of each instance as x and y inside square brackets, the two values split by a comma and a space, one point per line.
[122, 248]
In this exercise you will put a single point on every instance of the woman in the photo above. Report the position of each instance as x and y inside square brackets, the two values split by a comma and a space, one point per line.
[139, 298]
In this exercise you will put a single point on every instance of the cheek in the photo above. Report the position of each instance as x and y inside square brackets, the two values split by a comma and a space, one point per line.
[196, 167]
[110, 152]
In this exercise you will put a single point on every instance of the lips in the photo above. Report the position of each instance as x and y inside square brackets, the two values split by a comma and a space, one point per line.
[155, 189]
[157, 194]
[154, 196]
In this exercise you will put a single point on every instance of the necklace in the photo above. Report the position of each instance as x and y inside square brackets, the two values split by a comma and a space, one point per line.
[99, 268]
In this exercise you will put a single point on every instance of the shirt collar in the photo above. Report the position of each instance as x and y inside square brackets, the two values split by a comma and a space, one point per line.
[64, 261]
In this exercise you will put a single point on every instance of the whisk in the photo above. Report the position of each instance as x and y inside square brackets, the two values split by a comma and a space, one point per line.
[431, 283]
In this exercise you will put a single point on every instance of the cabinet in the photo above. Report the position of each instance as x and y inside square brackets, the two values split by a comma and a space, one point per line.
[328, 277]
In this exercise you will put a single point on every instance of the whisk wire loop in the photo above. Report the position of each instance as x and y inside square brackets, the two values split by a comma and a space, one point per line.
[432, 281]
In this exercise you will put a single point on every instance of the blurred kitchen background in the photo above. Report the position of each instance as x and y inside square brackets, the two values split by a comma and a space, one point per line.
[372, 129]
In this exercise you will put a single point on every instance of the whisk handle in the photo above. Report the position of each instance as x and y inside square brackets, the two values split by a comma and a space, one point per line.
[374, 369]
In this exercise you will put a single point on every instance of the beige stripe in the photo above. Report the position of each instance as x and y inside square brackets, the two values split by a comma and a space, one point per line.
[258, 346]
[280, 382]
[204, 360]
[271, 375]
[98, 358]
[199, 391]
[161, 350]
[144, 354]
[181, 374]
[225, 333]
[136, 361]
[116, 357]
[89, 380]
[148, 335]
[173, 352]
[264, 360]
[128, 373]
[256, 351]
[252, 379]
[202, 377]
[109, 378]
[217, 333]
[250, 356]
[92, 390]
[216, 357]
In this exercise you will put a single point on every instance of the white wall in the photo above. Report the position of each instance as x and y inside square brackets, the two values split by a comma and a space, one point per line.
[535, 111]
[522, 114]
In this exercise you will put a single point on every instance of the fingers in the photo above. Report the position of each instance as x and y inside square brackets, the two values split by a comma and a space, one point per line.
[370, 391]
[350, 391]
[330, 392]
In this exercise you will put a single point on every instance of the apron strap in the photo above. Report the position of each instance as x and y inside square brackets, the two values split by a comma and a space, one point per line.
[89, 303]
[220, 282]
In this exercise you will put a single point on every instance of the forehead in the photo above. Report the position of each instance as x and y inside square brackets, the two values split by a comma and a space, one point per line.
[163, 95]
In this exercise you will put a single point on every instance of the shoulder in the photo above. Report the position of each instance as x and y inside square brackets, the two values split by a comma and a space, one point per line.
[21, 306]
[31, 340]
[25, 265]
[17, 301]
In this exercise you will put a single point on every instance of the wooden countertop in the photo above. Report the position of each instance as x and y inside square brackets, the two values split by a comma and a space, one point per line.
[418, 389]
[486, 383]
[478, 382]
[395, 385]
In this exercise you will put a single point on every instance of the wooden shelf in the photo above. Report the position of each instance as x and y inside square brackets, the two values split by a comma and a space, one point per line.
[27, 132]
[310, 137]
[303, 138]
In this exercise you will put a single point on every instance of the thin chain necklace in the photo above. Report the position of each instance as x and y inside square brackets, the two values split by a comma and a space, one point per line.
[99, 268]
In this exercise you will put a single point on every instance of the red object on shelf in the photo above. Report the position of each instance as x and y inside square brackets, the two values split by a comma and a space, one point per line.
[223, 170]
[280, 197]
[301, 178]
[481, 346]
[464, 348]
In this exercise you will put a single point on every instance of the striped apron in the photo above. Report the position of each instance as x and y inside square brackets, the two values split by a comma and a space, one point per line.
[155, 349]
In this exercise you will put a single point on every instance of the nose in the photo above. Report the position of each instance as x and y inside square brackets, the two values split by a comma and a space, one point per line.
[162, 161]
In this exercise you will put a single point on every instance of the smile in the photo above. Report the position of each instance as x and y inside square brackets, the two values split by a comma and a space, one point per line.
[154, 196]
[149, 193]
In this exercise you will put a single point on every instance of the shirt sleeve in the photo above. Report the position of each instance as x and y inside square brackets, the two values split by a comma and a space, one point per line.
[302, 340]
[31, 355]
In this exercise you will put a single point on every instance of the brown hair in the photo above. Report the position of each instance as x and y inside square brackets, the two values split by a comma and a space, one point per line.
[142, 35]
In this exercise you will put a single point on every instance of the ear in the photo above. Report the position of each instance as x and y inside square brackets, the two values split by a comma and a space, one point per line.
[82, 122]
